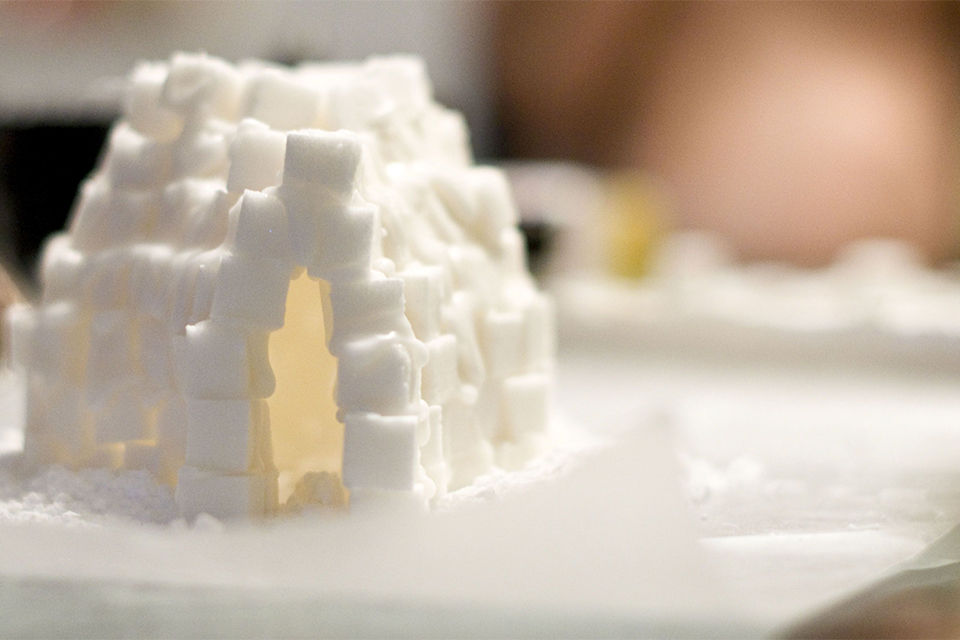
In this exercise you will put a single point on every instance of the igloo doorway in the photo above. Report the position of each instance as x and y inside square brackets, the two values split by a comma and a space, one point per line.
[305, 436]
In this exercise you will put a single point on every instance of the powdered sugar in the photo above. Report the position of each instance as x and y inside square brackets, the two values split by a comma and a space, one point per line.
[97, 497]
[54, 494]
[86, 497]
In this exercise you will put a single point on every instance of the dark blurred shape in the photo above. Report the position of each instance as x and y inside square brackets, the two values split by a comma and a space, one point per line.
[791, 129]
[539, 235]
[913, 604]
[41, 167]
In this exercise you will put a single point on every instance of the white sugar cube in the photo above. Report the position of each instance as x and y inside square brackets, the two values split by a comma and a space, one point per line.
[57, 330]
[385, 365]
[215, 361]
[526, 403]
[221, 496]
[502, 335]
[344, 241]
[203, 151]
[105, 281]
[197, 82]
[423, 291]
[439, 379]
[283, 103]
[222, 435]
[61, 269]
[70, 421]
[322, 159]
[496, 207]
[90, 222]
[258, 227]
[136, 161]
[367, 306]
[431, 451]
[142, 104]
[112, 346]
[379, 451]
[252, 290]
[256, 157]
[122, 417]
[458, 319]
[18, 335]
[206, 226]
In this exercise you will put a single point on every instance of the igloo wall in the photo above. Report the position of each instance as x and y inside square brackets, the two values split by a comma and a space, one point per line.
[234, 202]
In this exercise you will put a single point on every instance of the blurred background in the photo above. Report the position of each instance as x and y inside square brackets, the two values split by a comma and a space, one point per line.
[787, 130]
[661, 153]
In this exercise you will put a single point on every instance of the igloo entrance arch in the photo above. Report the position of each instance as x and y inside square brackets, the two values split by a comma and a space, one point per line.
[238, 211]
[306, 436]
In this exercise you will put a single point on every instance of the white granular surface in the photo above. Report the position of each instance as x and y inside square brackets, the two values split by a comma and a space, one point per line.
[97, 497]
[88, 497]
[801, 488]
[85, 497]
[100, 496]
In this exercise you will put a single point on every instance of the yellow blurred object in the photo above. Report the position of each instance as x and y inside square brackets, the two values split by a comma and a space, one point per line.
[634, 220]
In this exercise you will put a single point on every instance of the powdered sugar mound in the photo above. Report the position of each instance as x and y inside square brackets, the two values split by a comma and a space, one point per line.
[99, 496]
[85, 497]
[571, 446]
[706, 480]
[60, 496]
[94, 497]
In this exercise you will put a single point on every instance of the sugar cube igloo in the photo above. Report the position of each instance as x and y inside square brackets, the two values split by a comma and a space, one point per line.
[282, 278]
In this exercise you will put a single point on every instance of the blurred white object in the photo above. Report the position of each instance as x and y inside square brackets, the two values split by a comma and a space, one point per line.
[566, 197]
[877, 305]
